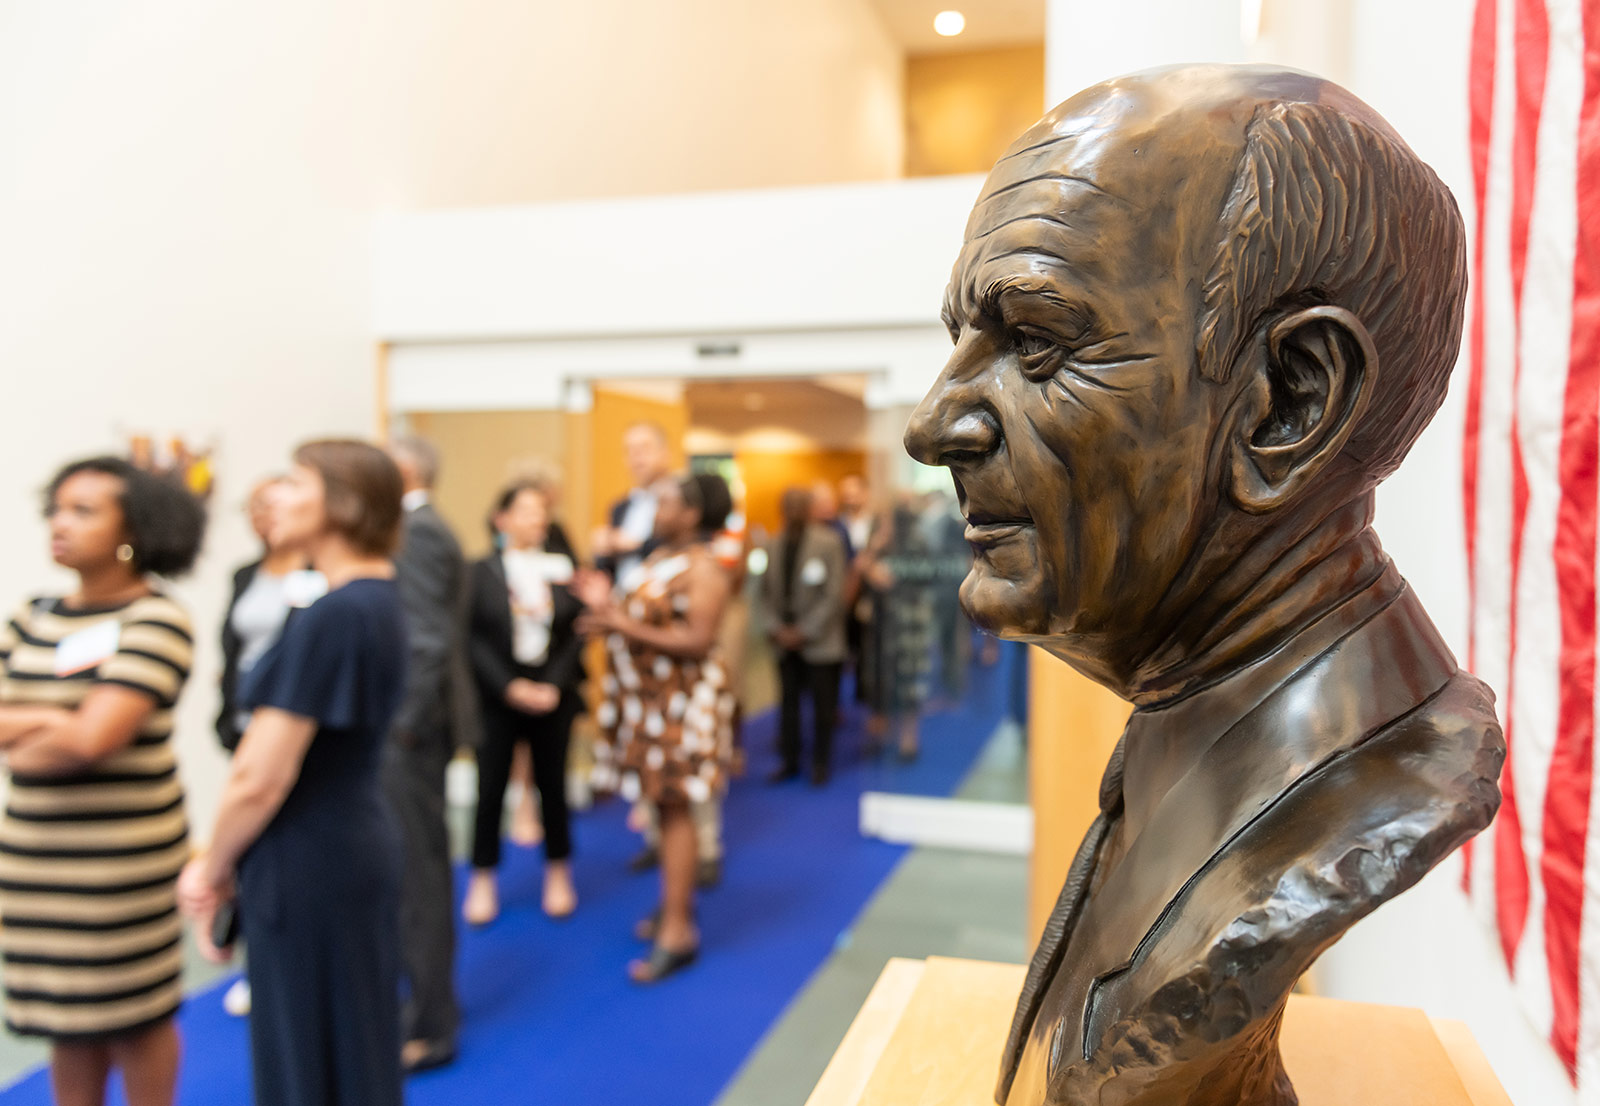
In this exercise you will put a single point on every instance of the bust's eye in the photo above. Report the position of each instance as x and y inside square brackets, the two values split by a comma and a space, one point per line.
[1038, 354]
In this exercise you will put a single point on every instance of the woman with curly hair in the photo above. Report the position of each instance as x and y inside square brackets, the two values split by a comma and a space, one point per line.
[93, 834]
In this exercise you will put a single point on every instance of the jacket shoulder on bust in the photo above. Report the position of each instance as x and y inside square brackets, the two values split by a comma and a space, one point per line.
[1350, 835]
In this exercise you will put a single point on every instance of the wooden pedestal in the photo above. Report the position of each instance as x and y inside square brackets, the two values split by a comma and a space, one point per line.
[930, 1034]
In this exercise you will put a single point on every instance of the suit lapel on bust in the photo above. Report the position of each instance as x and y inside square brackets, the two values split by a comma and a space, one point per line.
[1400, 639]
[1380, 670]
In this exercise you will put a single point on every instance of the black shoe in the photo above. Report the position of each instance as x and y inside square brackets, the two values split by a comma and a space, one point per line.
[707, 874]
[784, 775]
[645, 859]
[819, 775]
[434, 1054]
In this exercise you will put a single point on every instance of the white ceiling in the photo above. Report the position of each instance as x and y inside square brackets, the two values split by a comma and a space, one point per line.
[989, 23]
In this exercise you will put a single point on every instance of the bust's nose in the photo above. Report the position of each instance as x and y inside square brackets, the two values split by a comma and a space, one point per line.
[951, 425]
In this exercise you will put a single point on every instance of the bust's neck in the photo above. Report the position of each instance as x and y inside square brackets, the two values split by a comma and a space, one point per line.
[1277, 585]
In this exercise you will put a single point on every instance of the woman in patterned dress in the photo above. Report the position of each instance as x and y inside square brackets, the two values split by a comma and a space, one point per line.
[94, 834]
[666, 716]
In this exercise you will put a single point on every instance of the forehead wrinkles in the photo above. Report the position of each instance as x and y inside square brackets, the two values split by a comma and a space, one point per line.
[1050, 196]
[1049, 227]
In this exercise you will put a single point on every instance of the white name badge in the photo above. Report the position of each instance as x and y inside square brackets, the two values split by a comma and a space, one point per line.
[81, 651]
[669, 569]
[631, 580]
[556, 567]
[813, 572]
[303, 588]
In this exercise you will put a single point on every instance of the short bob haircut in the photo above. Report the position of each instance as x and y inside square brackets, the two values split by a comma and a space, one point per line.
[361, 492]
[164, 522]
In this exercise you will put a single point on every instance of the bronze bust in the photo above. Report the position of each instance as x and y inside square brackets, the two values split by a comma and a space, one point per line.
[1199, 313]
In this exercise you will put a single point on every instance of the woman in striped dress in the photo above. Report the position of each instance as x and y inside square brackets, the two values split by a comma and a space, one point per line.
[93, 834]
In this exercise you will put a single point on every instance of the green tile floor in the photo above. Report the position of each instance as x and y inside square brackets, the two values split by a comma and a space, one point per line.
[937, 902]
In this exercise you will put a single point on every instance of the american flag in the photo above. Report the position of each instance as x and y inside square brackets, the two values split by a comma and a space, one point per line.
[1530, 482]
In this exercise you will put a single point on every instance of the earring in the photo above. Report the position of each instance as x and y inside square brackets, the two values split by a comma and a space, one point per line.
[125, 553]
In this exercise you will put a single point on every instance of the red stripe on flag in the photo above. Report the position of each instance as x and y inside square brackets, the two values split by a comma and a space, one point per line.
[1480, 99]
[1566, 820]
[1532, 53]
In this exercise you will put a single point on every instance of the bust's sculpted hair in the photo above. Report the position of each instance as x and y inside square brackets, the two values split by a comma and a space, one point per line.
[1313, 217]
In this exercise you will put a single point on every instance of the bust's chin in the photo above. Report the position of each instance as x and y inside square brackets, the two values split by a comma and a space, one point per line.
[1007, 606]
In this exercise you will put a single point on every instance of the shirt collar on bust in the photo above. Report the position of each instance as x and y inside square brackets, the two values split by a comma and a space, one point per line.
[414, 498]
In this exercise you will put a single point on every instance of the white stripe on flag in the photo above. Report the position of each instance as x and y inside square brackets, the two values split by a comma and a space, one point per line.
[1545, 334]
[1491, 615]
[1491, 627]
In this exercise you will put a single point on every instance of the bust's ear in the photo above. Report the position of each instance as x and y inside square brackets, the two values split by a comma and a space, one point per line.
[1310, 375]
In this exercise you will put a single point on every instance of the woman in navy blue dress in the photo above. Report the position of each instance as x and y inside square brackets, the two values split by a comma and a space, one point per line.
[302, 828]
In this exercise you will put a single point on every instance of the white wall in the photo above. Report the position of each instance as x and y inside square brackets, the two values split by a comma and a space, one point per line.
[847, 255]
[517, 308]
[504, 308]
[1409, 61]
[541, 374]
[176, 259]
[187, 190]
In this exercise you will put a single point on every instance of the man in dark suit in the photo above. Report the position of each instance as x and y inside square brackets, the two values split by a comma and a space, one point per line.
[1199, 314]
[430, 574]
[805, 592]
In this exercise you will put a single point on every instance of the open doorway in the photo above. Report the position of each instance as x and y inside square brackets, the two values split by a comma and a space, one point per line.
[765, 433]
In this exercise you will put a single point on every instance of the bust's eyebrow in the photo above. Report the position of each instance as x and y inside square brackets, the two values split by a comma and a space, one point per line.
[1014, 284]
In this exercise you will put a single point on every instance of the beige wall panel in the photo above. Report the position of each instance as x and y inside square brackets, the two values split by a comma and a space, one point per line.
[481, 451]
[1073, 725]
[613, 412]
[767, 475]
[963, 110]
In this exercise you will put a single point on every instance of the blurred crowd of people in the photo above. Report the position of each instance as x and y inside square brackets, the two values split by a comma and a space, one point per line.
[353, 649]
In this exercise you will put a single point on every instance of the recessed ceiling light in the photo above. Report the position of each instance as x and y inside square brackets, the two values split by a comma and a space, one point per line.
[949, 24]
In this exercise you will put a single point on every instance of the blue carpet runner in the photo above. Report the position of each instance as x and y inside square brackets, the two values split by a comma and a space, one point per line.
[548, 1014]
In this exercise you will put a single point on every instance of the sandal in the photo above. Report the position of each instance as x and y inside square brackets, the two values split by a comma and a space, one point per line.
[482, 904]
[661, 963]
[560, 898]
[646, 928]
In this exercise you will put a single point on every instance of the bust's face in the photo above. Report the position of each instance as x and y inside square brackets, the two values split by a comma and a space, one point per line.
[1082, 440]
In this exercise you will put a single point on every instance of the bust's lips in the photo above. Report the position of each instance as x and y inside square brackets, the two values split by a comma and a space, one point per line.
[992, 525]
[992, 517]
